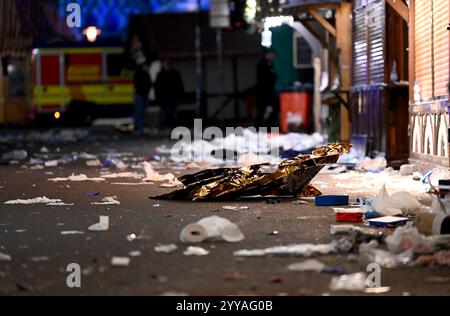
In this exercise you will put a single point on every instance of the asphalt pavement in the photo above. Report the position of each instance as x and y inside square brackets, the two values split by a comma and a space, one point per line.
[31, 235]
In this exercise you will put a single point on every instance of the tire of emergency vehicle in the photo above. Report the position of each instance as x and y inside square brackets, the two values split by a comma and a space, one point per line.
[80, 113]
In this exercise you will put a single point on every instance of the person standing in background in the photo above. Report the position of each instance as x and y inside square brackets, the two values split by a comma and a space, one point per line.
[142, 86]
[266, 97]
[169, 92]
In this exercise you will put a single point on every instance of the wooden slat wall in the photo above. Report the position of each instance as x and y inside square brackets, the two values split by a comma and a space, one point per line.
[376, 13]
[423, 45]
[369, 38]
[441, 47]
[360, 65]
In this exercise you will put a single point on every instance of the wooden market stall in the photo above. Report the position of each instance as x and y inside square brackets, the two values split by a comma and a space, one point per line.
[338, 42]
[429, 48]
[380, 93]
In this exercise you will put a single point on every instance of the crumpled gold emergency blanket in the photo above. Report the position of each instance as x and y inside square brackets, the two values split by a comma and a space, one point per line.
[290, 178]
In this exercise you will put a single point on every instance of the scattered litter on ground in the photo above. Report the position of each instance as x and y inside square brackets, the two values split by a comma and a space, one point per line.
[171, 184]
[92, 194]
[77, 178]
[102, 225]
[38, 200]
[369, 253]
[440, 258]
[37, 167]
[396, 204]
[342, 229]
[119, 164]
[131, 175]
[135, 253]
[244, 142]
[307, 265]
[4, 257]
[433, 223]
[166, 248]
[349, 282]
[51, 163]
[378, 290]
[235, 208]
[375, 164]
[72, 232]
[120, 261]
[60, 204]
[196, 251]
[407, 238]
[388, 221]
[109, 200]
[94, 163]
[408, 170]
[132, 237]
[15, 155]
[290, 178]
[292, 250]
[306, 218]
[152, 175]
[211, 228]
[331, 200]
[300, 202]
[349, 215]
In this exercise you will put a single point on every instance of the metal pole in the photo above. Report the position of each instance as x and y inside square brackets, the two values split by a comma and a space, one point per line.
[235, 87]
[220, 65]
[199, 63]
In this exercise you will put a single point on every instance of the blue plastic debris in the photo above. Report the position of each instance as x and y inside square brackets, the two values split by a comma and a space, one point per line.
[388, 221]
[92, 194]
[371, 214]
[332, 200]
[107, 163]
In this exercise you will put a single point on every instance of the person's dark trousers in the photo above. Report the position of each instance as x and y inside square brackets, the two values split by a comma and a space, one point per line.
[140, 105]
[168, 116]
[260, 112]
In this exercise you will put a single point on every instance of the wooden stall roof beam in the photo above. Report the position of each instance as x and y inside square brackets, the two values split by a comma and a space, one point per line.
[330, 28]
[400, 8]
[314, 32]
[344, 43]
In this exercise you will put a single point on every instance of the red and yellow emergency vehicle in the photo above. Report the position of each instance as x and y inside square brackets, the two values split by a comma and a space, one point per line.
[80, 84]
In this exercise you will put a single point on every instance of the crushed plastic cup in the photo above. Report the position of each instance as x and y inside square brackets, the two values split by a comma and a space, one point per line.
[211, 228]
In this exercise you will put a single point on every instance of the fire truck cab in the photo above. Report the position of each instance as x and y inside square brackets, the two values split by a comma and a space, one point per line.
[81, 84]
